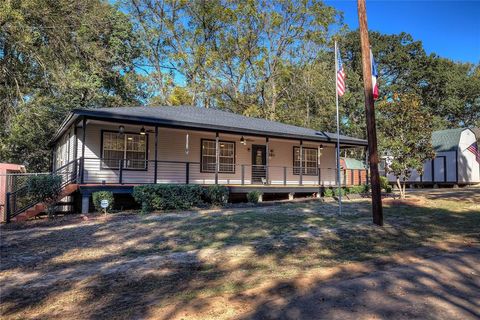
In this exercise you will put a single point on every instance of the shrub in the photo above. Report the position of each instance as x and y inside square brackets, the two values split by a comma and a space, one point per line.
[328, 193]
[384, 184]
[342, 191]
[366, 188]
[98, 196]
[168, 196]
[358, 189]
[253, 196]
[45, 189]
[216, 195]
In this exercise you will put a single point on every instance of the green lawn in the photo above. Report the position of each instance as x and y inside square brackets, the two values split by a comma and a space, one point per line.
[139, 266]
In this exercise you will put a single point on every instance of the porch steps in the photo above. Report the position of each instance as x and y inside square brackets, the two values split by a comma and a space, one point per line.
[40, 207]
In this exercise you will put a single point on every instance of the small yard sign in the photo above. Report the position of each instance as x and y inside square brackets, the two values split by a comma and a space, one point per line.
[104, 204]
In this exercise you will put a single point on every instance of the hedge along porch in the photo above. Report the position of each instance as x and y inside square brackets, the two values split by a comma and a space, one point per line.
[117, 148]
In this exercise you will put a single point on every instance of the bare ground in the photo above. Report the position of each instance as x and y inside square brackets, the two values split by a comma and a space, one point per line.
[248, 263]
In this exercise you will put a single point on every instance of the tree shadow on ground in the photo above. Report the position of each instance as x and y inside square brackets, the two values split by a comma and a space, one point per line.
[126, 269]
[442, 288]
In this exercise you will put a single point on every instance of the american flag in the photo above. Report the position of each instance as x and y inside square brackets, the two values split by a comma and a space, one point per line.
[374, 76]
[340, 76]
[474, 149]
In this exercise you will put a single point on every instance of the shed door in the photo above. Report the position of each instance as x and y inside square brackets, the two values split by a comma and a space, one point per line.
[439, 170]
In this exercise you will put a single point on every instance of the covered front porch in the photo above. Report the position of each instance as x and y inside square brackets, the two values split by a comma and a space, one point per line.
[122, 152]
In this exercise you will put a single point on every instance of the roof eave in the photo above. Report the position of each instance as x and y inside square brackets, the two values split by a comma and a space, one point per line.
[105, 115]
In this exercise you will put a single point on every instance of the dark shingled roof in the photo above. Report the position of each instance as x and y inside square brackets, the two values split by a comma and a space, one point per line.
[212, 119]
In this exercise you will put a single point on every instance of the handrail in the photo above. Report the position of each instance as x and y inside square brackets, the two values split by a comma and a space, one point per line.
[14, 198]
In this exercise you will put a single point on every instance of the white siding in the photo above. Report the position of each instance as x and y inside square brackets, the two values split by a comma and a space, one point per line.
[64, 151]
[172, 155]
[468, 167]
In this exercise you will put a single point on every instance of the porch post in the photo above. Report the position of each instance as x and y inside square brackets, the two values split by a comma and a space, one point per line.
[75, 145]
[155, 165]
[84, 132]
[267, 158]
[301, 163]
[319, 176]
[217, 157]
[243, 174]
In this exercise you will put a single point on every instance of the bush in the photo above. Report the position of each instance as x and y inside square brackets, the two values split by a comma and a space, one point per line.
[98, 196]
[253, 196]
[342, 191]
[216, 195]
[384, 184]
[168, 196]
[358, 189]
[45, 189]
[328, 193]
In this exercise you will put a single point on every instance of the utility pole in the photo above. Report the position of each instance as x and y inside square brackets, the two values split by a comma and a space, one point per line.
[377, 211]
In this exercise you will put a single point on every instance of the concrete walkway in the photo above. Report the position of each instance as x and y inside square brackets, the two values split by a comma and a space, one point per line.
[443, 287]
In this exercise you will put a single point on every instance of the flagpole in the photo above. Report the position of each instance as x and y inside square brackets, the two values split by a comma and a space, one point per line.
[338, 135]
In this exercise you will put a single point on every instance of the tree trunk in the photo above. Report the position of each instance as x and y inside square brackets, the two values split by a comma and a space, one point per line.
[399, 185]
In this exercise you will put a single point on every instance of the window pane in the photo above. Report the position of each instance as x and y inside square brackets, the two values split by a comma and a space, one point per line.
[309, 161]
[226, 156]
[114, 146]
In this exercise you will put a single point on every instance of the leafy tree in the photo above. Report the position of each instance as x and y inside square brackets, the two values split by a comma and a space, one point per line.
[230, 54]
[405, 133]
[451, 91]
[55, 56]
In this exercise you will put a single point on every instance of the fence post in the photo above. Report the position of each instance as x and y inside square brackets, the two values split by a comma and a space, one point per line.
[120, 173]
[243, 174]
[187, 172]
[284, 176]
[7, 208]
[319, 176]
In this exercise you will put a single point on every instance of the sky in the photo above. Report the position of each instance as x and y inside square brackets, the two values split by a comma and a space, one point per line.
[451, 29]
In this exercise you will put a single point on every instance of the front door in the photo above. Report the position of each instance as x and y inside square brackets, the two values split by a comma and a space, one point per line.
[259, 162]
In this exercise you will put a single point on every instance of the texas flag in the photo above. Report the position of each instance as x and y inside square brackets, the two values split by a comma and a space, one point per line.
[374, 76]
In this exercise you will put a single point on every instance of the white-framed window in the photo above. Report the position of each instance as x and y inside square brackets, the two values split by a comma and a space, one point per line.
[226, 156]
[309, 161]
[129, 147]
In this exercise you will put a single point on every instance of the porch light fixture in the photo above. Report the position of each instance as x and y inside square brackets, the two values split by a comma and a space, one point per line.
[142, 131]
[321, 147]
[243, 141]
[121, 130]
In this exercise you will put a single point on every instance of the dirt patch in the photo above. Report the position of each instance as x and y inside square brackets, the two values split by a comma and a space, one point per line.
[217, 263]
[410, 201]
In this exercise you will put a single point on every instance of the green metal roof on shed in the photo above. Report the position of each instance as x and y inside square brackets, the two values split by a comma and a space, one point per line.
[446, 140]
[351, 163]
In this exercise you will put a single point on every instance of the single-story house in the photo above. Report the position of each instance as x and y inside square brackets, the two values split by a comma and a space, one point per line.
[118, 148]
[456, 162]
